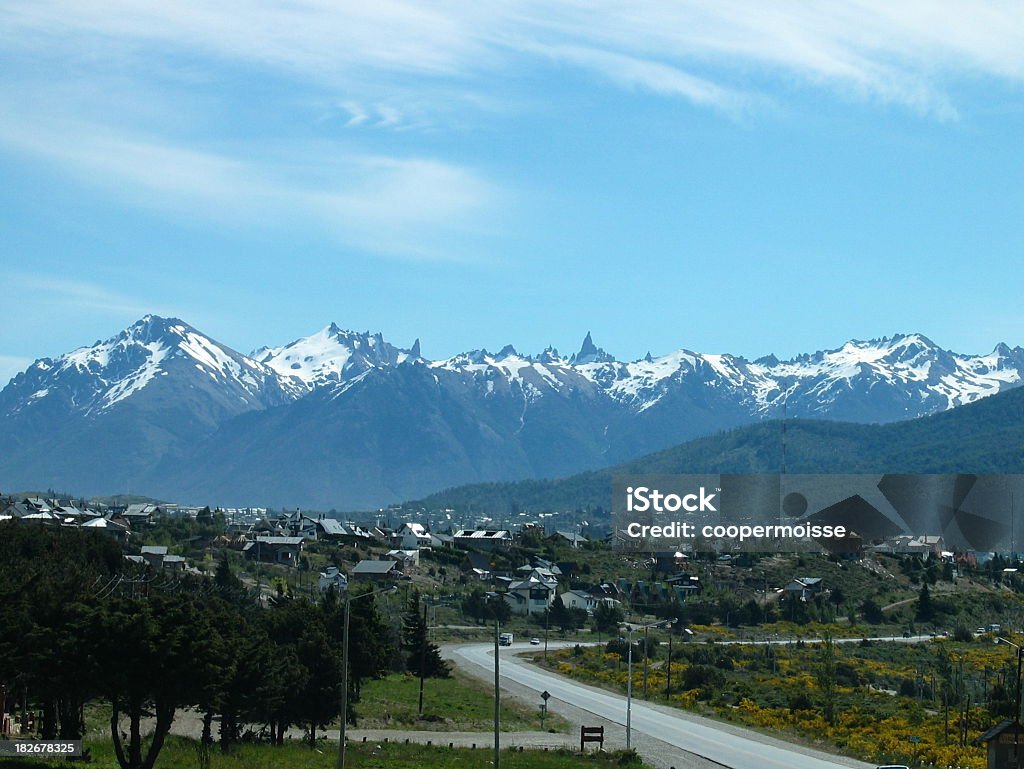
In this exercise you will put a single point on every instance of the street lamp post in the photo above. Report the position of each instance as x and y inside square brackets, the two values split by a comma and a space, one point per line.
[629, 673]
[349, 598]
[1016, 711]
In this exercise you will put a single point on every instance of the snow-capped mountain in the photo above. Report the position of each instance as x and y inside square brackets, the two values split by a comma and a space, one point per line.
[881, 380]
[331, 356]
[341, 418]
[91, 380]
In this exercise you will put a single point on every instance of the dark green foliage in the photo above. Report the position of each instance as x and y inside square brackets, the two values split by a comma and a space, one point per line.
[607, 617]
[704, 678]
[827, 679]
[982, 437]
[872, 612]
[564, 617]
[48, 578]
[76, 625]
[801, 702]
[150, 657]
[963, 634]
[925, 606]
[421, 656]
[482, 607]
[619, 646]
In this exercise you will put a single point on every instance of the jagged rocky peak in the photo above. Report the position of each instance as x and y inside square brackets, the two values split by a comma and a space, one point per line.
[905, 347]
[590, 353]
[508, 351]
[1003, 350]
[152, 327]
[549, 355]
[330, 356]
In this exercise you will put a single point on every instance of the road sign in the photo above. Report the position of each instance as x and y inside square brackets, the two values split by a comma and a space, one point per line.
[914, 738]
[545, 695]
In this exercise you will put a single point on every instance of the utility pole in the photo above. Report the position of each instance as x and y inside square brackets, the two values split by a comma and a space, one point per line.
[646, 656]
[497, 701]
[629, 692]
[547, 621]
[1016, 709]
[765, 620]
[423, 655]
[344, 667]
[668, 679]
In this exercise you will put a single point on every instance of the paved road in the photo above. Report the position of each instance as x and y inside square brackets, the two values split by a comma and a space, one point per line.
[719, 743]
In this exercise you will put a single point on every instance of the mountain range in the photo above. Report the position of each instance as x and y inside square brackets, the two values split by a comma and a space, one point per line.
[346, 420]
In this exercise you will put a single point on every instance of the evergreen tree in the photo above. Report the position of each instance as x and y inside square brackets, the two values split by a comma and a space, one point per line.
[872, 612]
[826, 675]
[421, 656]
[559, 614]
[925, 606]
[607, 617]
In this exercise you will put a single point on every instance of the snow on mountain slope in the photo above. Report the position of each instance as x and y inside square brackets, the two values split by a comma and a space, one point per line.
[878, 380]
[910, 367]
[345, 417]
[91, 380]
[330, 357]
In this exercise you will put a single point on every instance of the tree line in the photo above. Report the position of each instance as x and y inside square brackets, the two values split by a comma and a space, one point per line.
[77, 627]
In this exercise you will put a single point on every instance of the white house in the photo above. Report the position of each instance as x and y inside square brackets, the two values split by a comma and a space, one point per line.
[411, 536]
[805, 588]
[333, 576]
[577, 599]
[534, 594]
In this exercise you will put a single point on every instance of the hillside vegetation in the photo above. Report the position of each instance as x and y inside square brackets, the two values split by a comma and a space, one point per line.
[983, 437]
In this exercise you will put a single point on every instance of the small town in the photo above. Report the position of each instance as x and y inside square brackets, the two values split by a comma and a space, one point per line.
[903, 651]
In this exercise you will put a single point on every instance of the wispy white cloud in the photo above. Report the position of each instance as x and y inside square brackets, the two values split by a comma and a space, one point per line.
[357, 113]
[655, 77]
[905, 52]
[373, 115]
[64, 293]
[405, 207]
[399, 64]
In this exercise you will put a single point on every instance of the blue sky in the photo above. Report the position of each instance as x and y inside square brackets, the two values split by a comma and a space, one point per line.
[754, 178]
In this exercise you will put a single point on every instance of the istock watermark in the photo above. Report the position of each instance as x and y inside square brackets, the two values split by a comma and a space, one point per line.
[840, 513]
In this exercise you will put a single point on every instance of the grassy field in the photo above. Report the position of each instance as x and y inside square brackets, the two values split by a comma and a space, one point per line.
[459, 703]
[180, 753]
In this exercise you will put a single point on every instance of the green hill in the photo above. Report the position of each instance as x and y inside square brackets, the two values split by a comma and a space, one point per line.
[983, 437]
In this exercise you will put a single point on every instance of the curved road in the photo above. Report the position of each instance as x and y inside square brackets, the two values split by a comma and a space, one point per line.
[723, 744]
